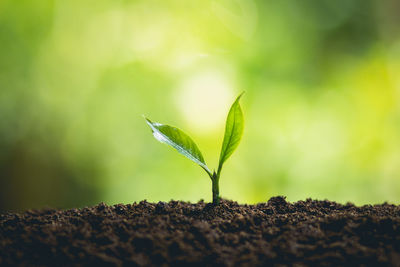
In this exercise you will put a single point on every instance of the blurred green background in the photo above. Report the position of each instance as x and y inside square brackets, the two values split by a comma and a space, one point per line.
[322, 102]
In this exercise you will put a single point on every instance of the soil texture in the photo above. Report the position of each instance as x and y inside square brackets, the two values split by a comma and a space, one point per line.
[276, 233]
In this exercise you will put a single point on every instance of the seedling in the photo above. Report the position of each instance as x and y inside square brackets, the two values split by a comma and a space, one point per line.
[186, 146]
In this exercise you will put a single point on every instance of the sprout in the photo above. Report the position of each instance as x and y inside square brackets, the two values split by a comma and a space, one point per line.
[186, 146]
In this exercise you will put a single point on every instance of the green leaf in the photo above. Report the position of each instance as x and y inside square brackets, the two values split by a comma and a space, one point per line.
[180, 141]
[233, 132]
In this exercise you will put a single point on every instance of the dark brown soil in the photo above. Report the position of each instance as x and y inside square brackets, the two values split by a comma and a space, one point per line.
[305, 233]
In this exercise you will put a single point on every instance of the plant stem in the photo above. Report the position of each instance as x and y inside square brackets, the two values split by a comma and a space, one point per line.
[215, 188]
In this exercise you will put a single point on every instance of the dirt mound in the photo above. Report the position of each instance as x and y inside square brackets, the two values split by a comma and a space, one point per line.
[178, 233]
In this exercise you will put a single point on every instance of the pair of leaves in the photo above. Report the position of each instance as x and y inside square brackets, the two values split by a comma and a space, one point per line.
[186, 146]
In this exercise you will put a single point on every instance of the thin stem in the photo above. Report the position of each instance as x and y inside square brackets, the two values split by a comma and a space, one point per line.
[219, 169]
[215, 188]
[208, 172]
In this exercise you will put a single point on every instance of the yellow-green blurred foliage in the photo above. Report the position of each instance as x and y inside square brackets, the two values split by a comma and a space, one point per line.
[322, 102]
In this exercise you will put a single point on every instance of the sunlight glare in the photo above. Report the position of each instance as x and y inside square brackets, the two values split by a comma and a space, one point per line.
[204, 100]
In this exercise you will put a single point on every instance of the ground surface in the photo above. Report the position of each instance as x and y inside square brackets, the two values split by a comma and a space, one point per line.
[177, 233]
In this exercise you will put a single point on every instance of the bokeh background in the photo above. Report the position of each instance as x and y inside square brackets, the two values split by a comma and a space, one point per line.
[322, 102]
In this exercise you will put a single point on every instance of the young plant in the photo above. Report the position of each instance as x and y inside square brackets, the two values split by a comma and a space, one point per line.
[186, 146]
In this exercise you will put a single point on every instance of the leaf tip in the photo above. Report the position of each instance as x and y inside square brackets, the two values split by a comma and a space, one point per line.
[147, 120]
[241, 94]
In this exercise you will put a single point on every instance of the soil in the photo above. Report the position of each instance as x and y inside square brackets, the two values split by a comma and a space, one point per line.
[305, 233]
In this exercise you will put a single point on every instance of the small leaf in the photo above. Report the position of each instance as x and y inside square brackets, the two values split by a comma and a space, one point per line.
[179, 140]
[233, 132]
